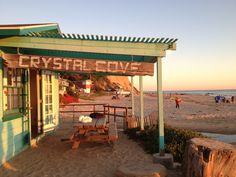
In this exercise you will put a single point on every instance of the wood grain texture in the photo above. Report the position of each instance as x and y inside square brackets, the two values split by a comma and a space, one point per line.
[79, 65]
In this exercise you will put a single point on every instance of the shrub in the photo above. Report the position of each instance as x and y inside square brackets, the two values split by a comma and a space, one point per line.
[175, 139]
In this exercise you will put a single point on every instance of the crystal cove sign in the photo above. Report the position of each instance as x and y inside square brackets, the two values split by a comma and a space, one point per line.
[79, 65]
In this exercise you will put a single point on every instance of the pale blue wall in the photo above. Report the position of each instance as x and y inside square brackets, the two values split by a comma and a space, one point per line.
[13, 138]
[13, 133]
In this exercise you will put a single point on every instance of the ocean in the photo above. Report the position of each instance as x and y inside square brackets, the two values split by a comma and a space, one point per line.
[226, 93]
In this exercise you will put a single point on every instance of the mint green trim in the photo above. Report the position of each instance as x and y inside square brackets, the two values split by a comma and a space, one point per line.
[8, 32]
[12, 111]
[6, 86]
[71, 54]
[24, 30]
[8, 117]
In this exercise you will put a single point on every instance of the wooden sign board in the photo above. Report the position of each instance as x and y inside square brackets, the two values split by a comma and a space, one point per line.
[79, 65]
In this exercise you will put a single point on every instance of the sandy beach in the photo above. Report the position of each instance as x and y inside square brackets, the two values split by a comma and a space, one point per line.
[197, 112]
[53, 158]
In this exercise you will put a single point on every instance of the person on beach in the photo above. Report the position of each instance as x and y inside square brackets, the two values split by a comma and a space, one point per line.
[232, 99]
[177, 102]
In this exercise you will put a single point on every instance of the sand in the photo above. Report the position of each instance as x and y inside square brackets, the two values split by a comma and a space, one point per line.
[197, 112]
[53, 158]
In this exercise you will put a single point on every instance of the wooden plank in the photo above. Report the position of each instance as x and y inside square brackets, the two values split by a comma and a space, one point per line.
[165, 41]
[147, 39]
[133, 40]
[141, 103]
[93, 46]
[83, 37]
[160, 41]
[82, 131]
[78, 36]
[101, 131]
[90, 124]
[156, 40]
[74, 36]
[124, 39]
[76, 144]
[64, 35]
[151, 41]
[78, 65]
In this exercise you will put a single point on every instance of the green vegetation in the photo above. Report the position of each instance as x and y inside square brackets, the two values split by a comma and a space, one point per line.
[175, 140]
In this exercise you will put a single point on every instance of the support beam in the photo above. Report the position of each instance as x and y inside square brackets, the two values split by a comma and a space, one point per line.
[132, 94]
[141, 102]
[107, 47]
[160, 107]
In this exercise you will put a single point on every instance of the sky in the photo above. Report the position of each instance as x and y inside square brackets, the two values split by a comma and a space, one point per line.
[206, 30]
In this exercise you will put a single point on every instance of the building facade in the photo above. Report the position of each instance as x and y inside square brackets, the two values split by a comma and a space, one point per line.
[30, 107]
[32, 55]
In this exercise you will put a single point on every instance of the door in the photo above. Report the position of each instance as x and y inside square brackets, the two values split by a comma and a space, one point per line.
[35, 103]
[49, 118]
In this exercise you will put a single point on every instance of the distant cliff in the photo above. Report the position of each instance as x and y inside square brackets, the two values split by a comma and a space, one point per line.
[103, 83]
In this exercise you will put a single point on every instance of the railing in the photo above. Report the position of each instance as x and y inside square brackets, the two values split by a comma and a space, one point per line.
[107, 110]
[115, 109]
[75, 109]
[150, 120]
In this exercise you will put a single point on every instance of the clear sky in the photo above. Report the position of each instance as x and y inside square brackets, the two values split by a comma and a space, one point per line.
[206, 30]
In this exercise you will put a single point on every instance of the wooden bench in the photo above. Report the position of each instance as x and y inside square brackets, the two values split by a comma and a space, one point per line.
[92, 131]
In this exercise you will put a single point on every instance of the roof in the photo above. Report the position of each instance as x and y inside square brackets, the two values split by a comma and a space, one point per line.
[22, 29]
[103, 38]
[47, 40]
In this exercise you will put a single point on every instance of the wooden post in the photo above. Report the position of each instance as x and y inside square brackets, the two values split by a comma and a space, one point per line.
[1, 89]
[114, 114]
[124, 120]
[126, 117]
[73, 113]
[160, 107]
[108, 115]
[132, 94]
[141, 102]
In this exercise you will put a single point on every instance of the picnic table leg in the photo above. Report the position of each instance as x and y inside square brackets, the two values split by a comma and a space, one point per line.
[76, 144]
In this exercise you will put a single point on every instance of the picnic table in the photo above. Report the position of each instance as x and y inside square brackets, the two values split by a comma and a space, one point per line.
[97, 130]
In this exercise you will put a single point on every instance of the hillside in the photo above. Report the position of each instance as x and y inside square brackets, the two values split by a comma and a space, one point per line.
[103, 83]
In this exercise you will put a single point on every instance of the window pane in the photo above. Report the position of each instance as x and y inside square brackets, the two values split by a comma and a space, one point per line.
[12, 82]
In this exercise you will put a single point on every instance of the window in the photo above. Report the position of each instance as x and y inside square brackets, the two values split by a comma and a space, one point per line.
[48, 99]
[12, 90]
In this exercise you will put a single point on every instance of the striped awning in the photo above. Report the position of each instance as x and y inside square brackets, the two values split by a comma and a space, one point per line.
[103, 38]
